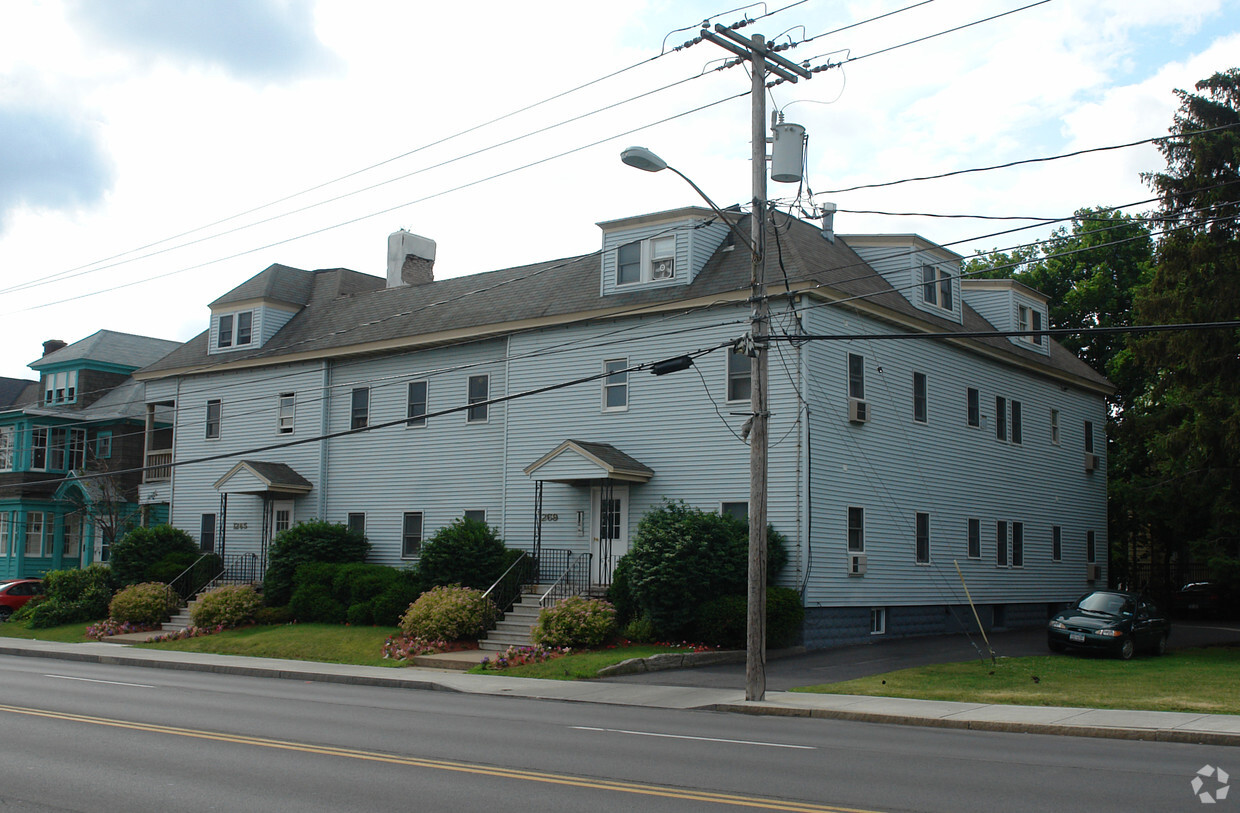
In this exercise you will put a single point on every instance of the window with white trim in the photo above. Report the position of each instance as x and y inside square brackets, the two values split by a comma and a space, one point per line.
[615, 385]
[973, 407]
[415, 403]
[740, 376]
[1018, 432]
[856, 376]
[73, 536]
[477, 515]
[878, 620]
[35, 533]
[1018, 544]
[38, 448]
[936, 287]
[411, 535]
[922, 552]
[359, 408]
[287, 411]
[234, 330]
[856, 529]
[7, 435]
[1055, 426]
[213, 419]
[206, 533]
[5, 530]
[975, 539]
[650, 260]
[737, 510]
[60, 388]
[1028, 318]
[1000, 417]
[1001, 543]
[478, 393]
[357, 522]
[919, 398]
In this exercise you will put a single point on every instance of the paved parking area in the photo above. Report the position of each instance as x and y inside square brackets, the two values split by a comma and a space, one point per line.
[847, 663]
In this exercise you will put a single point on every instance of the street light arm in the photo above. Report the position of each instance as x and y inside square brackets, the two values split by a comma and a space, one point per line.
[735, 231]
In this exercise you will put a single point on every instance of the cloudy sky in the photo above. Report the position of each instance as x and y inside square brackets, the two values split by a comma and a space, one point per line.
[156, 153]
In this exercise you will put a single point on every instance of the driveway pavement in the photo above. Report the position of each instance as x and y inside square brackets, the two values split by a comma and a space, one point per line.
[847, 663]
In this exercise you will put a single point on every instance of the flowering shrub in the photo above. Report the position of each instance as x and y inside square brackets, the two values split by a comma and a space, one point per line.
[521, 655]
[449, 614]
[147, 603]
[575, 621]
[226, 606]
[188, 632]
[402, 648]
[108, 628]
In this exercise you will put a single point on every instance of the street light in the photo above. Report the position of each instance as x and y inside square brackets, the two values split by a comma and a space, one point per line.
[645, 160]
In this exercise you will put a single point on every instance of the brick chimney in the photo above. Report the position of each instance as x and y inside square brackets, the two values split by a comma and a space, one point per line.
[52, 345]
[410, 259]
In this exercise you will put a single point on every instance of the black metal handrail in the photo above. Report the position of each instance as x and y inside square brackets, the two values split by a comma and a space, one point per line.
[508, 587]
[574, 581]
[190, 580]
[552, 564]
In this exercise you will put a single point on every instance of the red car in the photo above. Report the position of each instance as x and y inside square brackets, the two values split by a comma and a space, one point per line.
[15, 593]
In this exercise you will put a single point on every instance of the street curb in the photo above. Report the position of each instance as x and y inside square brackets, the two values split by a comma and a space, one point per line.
[688, 660]
[242, 671]
[1139, 734]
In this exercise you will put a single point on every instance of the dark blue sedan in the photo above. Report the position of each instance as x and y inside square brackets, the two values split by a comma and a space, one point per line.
[1112, 622]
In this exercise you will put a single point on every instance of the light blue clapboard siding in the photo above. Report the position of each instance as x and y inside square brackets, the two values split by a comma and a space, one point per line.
[693, 248]
[894, 467]
[994, 305]
[442, 469]
[249, 409]
[901, 264]
[269, 320]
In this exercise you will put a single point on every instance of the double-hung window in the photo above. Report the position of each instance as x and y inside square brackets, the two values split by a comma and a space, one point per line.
[206, 533]
[1091, 547]
[1089, 436]
[1056, 543]
[415, 408]
[478, 394]
[34, 533]
[975, 539]
[1000, 417]
[287, 411]
[38, 448]
[856, 376]
[856, 529]
[213, 418]
[359, 408]
[923, 538]
[1001, 543]
[103, 445]
[973, 407]
[919, 398]
[936, 287]
[235, 330]
[1018, 544]
[7, 433]
[646, 260]
[411, 535]
[5, 531]
[245, 327]
[225, 334]
[1017, 428]
[740, 376]
[1055, 426]
[616, 384]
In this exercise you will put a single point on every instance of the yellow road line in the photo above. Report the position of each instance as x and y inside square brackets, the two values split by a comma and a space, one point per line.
[639, 788]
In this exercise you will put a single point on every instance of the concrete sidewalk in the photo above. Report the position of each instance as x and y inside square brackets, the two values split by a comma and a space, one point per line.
[1208, 729]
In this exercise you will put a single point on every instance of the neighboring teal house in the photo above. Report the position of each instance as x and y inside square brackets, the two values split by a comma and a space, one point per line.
[85, 415]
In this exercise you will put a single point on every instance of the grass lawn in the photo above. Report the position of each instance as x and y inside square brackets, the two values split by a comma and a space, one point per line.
[583, 666]
[326, 643]
[1194, 680]
[65, 634]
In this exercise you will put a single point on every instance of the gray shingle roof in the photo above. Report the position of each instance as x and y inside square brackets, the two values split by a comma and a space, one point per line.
[346, 309]
[112, 347]
[11, 390]
[277, 282]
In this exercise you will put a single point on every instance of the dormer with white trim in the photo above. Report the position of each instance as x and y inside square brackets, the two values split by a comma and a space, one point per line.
[1009, 305]
[250, 314]
[925, 273]
[658, 250]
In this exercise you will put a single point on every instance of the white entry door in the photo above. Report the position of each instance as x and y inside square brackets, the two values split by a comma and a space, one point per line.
[281, 516]
[609, 509]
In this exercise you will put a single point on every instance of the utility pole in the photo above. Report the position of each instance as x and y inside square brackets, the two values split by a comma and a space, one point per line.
[754, 49]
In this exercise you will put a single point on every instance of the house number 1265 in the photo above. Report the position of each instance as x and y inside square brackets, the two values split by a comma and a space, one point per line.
[240, 526]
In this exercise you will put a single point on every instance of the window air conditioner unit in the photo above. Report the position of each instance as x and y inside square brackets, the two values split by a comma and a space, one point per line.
[856, 564]
[1091, 461]
[858, 410]
[1093, 572]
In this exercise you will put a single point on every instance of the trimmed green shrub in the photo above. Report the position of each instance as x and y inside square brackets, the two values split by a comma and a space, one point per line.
[449, 613]
[273, 616]
[313, 541]
[73, 595]
[575, 621]
[620, 592]
[682, 557]
[226, 606]
[467, 552]
[313, 604]
[134, 554]
[722, 621]
[146, 603]
[356, 592]
[639, 630]
[173, 565]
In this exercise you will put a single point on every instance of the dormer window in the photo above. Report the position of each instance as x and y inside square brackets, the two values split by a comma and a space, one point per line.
[650, 260]
[936, 287]
[1029, 319]
[235, 330]
[60, 388]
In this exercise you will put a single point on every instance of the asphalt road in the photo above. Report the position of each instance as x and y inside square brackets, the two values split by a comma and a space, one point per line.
[848, 663]
[94, 737]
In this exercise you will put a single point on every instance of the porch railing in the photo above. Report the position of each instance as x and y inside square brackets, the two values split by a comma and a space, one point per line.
[213, 570]
[574, 581]
[159, 466]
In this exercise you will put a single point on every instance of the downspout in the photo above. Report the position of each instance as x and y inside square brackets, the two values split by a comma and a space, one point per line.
[324, 419]
[808, 472]
[503, 480]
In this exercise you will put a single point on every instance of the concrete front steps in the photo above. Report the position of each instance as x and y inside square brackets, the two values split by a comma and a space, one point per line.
[514, 630]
